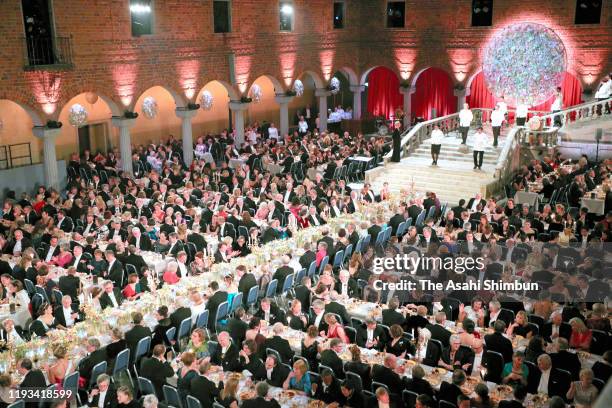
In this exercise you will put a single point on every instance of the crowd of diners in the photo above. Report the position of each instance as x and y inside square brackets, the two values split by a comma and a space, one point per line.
[169, 208]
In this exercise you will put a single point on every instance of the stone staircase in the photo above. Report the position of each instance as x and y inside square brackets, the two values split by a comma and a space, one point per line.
[452, 179]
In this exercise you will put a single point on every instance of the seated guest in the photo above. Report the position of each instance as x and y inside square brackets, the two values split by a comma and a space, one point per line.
[497, 342]
[327, 388]
[544, 385]
[170, 276]
[334, 329]
[388, 373]
[133, 289]
[33, 379]
[516, 372]
[398, 345]
[157, 369]
[358, 367]
[276, 373]
[556, 327]
[581, 335]
[125, 398]
[296, 319]
[262, 400]
[67, 314]
[136, 333]
[104, 394]
[371, 335]
[438, 331]
[603, 369]
[451, 391]
[9, 333]
[330, 357]
[381, 399]
[111, 297]
[228, 397]
[186, 373]
[417, 383]
[278, 343]
[95, 355]
[298, 378]
[482, 399]
[310, 347]
[424, 401]
[203, 389]
[468, 336]
[391, 315]
[250, 362]
[457, 356]
[535, 348]
[599, 318]
[226, 354]
[520, 392]
[353, 397]
[269, 312]
[163, 324]
[583, 392]
[520, 326]
[44, 322]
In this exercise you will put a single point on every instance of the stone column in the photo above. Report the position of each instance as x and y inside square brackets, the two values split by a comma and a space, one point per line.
[238, 108]
[357, 91]
[283, 123]
[322, 94]
[187, 133]
[49, 136]
[461, 95]
[407, 92]
[125, 142]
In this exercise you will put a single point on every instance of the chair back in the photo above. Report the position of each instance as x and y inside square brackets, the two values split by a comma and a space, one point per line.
[355, 379]
[202, 319]
[562, 379]
[184, 328]
[171, 334]
[401, 228]
[193, 402]
[495, 366]
[312, 268]
[299, 276]
[145, 386]
[409, 398]
[171, 396]
[376, 385]
[270, 351]
[348, 251]
[17, 404]
[71, 383]
[351, 333]
[338, 259]
[236, 302]
[532, 318]
[57, 296]
[600, 342]
[142, 348]
[212, 346]
[533, 377]
[252, 297]
[121, 362]
[433, 353]
[288, 283]
[314, 377]
[50, 391]
[271, 289]
[42, 292]
[323, 264]
[222, 311]
[29, 286]
[98, 369]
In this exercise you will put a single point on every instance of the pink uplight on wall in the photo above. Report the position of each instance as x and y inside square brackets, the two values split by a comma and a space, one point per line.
[188, 74]
[124, 78]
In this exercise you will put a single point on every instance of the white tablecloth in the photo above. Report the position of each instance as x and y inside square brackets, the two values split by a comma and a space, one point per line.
[525, 197]
[594, 205]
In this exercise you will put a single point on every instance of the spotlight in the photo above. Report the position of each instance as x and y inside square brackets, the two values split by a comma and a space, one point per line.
[476, 10]
[138, 8]
[287, 9]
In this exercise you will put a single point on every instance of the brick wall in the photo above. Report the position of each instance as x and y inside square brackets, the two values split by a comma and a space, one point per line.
[183, 54]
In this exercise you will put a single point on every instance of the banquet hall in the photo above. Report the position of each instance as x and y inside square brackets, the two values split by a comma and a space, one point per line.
[292, 203]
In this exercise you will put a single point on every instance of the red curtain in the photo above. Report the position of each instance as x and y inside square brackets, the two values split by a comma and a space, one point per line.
[434, 90]
[383, 92]
[480, 97]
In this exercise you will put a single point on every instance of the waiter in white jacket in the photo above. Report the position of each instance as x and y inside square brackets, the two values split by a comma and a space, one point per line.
[556, 106]
[497, 119]
[521, 114]
[437, 136]
[603, 92]
[465, 120]
[481, 141]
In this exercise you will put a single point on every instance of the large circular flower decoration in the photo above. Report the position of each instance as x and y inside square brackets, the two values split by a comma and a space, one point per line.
[298, 87]
[334, 85]
[524, 63]
[206, 100]
[256, 93]
[77, 115]
[149, 107]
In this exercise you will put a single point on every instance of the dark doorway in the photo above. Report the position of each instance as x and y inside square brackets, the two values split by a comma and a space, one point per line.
[84, 140]
[37, 21]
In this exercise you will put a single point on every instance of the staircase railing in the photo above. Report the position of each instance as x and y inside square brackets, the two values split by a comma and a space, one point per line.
[579, 113]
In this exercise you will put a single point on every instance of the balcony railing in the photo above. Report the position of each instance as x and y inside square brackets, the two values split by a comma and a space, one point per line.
[48, 52]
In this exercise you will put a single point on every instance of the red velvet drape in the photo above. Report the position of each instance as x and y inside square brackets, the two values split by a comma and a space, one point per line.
[480, 97]
[383, 92]
[434, 90]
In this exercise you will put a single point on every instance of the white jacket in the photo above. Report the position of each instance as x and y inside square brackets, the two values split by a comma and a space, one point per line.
[481, 141]
[465, 117]
[604, 90]
[437, 137]
[497, 117]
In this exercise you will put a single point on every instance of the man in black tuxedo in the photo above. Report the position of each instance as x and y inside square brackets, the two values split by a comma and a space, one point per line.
[115, 269]
[269, 312]
[463, 357]
[438, 332]
[391, 316]
[202, 388]
[250, 361]
[111, 297]
[385, 374]
[374, 230]
[276, 373]
[496, 341]
[134, 259]
[157, 369]
[334, 306]
[176, 245]
[475, 201]
[303, 292]
[225, 229]
[398, 218]
[181, 313]
[262, 400]
[564, 359]
[308, 257]
[457, 210]
[371, 336]
[95, 355]
[70, 284]
[142, 242]
[556, 328]
[226, 354]
[18, 244]
[327, 388]
[346, 286]
[246, 281]
[215, 298]
[237, 327]
[104, 390]
[279, 344]
[63, 222]
[417, 384]
[136, 333]
[331, 359]
[281, 273]
[67, 314]
[317, 315]
[32, 379]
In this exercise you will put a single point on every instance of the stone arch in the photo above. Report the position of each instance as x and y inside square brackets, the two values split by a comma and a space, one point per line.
[350, 74]
[232, 93]
[364, 75]
[179, 100]
[319, 83]
[278, 86]
[34, 114]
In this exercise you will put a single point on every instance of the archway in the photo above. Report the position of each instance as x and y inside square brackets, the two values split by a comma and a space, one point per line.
[213, 115]
[307, 101]
[156, 108]
[263, 108]
[96, 135]
[344, 96]
[433, 95]
[383, 95]
[17, 141]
